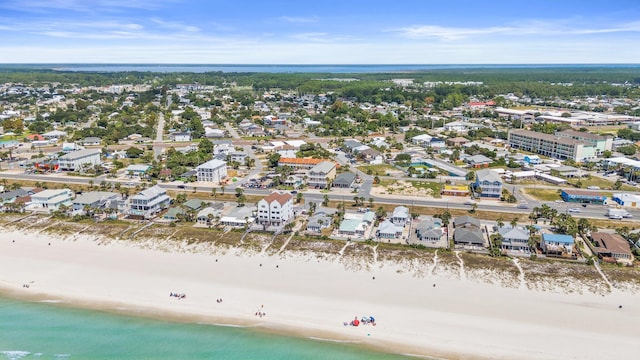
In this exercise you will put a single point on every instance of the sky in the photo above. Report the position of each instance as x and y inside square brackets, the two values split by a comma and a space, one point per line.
[320, 32]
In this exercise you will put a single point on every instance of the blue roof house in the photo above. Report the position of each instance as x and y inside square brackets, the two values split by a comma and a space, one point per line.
[557, 244]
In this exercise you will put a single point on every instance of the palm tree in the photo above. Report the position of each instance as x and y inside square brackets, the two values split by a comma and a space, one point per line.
[214, 192]
[500, 222]
[514, 222]
[325, 200]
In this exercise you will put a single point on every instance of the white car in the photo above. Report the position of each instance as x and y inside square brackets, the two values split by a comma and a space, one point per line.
[469, 202]
[559, 201]
[574, 210]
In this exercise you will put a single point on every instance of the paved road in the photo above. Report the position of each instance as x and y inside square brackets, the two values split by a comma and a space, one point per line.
[591, 211]
[160, 128]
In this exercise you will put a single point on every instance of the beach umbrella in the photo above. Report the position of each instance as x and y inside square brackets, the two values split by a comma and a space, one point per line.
[356, 322]
[372, 319]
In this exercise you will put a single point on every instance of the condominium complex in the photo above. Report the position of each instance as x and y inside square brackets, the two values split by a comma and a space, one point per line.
[564, 145]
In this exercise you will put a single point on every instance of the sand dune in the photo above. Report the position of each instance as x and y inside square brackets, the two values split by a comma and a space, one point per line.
[305, 296]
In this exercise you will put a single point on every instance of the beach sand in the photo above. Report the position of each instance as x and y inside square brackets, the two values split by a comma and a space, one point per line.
[304, 296]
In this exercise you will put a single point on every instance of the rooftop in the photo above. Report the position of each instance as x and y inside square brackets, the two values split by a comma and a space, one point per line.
[80, 154]
[282, 198]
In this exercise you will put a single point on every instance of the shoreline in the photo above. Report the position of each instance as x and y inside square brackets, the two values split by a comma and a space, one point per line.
[310, 298]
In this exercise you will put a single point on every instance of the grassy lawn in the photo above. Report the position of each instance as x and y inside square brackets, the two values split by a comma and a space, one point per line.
[543, 194]
[435, 186]
[600, 182]
[380, 169]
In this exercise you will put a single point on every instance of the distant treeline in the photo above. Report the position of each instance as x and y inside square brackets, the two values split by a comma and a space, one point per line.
[546, 83]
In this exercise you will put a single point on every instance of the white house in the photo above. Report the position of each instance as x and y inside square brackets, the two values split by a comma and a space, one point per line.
[52, 198]
[489, 182]
[400, 216]
[55, 135]
[148, 202]
[275, 209]
[212, 171]
[180, 136]
[76, 160]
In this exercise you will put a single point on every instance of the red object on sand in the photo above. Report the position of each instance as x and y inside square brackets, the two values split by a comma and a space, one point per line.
[356, 322]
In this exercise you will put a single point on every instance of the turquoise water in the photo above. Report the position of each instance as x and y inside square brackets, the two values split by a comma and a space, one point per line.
[46, 331]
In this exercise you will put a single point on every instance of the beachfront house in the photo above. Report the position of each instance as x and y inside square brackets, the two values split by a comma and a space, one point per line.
[210, 213]
[557, 244]
[468, 238]
[318, 222]
[389, 230]
[612, 247]
[356, 224]
[488, 184]
[429, 230]
[238, 217]
[51, 199]
[79, 160]
[147, 203]
[275, 209]
[94, 200]
[514, 239]
[212, 171]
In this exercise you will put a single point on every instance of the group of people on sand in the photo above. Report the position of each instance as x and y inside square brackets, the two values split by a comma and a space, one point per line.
[260, 312]
[365, 320]
[25, 286]
[179, 296]
[219, 300]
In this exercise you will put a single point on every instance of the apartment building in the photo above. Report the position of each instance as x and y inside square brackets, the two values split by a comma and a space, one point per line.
[554, 146]
[601, 143]
[212, 171]
[275, 209]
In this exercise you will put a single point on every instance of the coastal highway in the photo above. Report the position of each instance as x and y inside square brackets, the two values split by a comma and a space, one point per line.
[591, 211]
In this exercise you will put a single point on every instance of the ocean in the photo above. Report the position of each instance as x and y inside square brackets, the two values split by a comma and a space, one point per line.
[40, 330]
[285, 68]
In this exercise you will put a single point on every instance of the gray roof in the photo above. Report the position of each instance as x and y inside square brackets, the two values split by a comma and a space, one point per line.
[488, 175]
[345, 178]
[150, 192]
[352, 144]
[92, 197]
[517, 233]
[428, 224]
[194, 204]
[468, 236]
[466, 220]
[387, 227]
[478, 159]
[80, 154]
[401, 211]
[314, 221]
[323, 167]
[13, 194]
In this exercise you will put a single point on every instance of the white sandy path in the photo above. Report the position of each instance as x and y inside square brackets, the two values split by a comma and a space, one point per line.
[455, 319]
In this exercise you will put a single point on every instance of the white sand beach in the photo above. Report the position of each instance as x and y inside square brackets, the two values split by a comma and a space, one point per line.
[456, 319]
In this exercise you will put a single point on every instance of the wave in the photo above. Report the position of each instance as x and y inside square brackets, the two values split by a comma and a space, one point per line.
[225, 325]
[15, 354]
[334, 340]
[51, 301]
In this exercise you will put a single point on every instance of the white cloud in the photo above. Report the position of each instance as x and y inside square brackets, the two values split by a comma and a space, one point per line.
[533, 27]
[311, 37]
[174, 25]
[299, 19]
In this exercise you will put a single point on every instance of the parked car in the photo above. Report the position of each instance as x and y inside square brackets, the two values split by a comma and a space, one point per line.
[523, 206]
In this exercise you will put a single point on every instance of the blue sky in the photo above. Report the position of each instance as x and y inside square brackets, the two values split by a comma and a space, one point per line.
[319, 32]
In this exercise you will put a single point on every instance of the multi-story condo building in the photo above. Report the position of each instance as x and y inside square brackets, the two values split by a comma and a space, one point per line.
[601, 143]
[321, 173]
[77, 160]
[148, 202]
[557, 146]
[212, 171]
[275, 209]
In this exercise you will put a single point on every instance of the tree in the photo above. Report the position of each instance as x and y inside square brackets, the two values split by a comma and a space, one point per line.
[325, 200]
[514, 222]
[134, 152]
[474, 206]
[298, 198]
[445, 216]
[241, 200]
[239, 192]
[370, 202]
[273, 158]
[205, 146]
[471, 176]
[381, 213]
[214, 192]
[565, 224]
[500, 221]
[312, 208]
